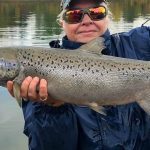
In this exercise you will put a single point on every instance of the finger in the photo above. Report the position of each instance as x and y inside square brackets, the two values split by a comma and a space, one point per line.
[24, 87]
[10, 87]
[32, 90]
[43, 93]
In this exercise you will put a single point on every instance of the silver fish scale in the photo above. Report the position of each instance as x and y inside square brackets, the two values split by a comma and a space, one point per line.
[87, 79]
[83, 77]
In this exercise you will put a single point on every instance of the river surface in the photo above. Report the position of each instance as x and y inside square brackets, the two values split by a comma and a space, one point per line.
[33, 23]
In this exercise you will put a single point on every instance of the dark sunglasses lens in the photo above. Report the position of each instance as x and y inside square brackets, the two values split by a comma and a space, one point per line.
[73, 16]
[97, 13]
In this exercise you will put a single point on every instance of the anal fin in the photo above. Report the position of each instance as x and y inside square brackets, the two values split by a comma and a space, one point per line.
[17, 84]
[99, 109]
[144, 100]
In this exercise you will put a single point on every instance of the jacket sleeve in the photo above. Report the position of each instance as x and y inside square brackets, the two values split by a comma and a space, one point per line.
[134, 44]
[49, 128]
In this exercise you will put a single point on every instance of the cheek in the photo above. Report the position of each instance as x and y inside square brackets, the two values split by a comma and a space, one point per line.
[70, 30]
[103, 26]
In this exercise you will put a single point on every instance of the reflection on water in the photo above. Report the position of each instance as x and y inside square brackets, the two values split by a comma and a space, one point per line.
[34, 23]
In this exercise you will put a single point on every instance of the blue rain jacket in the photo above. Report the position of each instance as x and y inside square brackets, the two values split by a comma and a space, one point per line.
[69, 127]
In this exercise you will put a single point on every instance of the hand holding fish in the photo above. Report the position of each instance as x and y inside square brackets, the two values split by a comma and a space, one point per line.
[28, 91]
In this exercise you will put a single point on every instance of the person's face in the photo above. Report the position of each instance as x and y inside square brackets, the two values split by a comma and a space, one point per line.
[86, 30]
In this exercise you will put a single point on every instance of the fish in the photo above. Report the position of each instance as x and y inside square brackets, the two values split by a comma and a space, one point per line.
[84, 77]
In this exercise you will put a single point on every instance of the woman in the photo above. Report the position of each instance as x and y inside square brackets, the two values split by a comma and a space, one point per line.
[68, 127]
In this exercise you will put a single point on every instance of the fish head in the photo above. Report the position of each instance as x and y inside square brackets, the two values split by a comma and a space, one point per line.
[9, 66]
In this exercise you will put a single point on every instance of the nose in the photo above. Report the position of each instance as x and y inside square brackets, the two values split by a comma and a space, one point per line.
[86, 20]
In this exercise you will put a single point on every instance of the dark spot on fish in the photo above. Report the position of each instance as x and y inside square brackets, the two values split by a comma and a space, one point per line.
[76, 61]
[101, 74]
[38, 62]
[92, 72]
[82, 60]
[129, 68]
[42, 59]
[71, 61]
[82, 70]
[67, 66]
[39, 57]
[107, 71]
[103, 67]
[70, 67]
[97, 70]
[89, 68]
[52, 62]
[63, 67]
[79, 66]
[143, 69]
[133, 68]
[66, 61]
[110, 69]
[122, 68]
[47, 65]
[24, 57]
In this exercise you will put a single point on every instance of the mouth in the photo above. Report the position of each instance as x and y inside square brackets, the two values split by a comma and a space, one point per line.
[86, 31]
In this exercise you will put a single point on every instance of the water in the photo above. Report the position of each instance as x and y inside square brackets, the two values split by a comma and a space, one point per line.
[32, 23]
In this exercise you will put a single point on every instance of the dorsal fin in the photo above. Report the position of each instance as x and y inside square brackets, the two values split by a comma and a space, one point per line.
[95, 46]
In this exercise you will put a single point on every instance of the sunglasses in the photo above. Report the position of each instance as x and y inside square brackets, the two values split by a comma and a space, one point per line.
[76, 15]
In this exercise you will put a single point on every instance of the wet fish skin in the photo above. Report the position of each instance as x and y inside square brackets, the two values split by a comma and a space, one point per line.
[83, 76]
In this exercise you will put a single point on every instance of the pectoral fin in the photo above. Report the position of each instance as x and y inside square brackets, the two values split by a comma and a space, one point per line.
[94, 106]
[17, 84]
[144, 100]
[145, 105]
